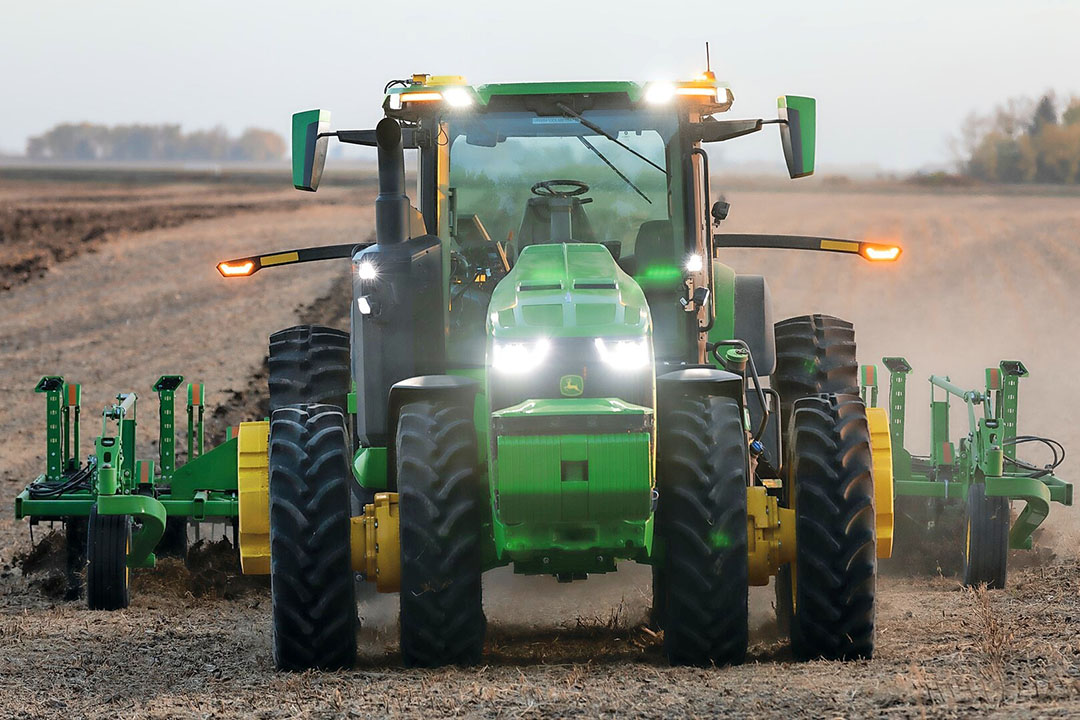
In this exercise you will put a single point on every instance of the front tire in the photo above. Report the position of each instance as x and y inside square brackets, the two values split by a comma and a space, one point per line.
[108, 580]
[836, 555]
[312, 590]
[702, 519]
[440, 496]
[986, 546]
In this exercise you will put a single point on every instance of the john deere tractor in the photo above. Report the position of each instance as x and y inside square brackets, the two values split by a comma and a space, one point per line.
[550, 367]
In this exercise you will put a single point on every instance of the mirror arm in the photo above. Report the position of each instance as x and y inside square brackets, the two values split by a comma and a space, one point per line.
[719, 130]
[367, 137]
[248, 266]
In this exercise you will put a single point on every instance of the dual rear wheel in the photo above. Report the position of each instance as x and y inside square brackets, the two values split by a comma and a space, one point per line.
[313, 589]
[825, 599]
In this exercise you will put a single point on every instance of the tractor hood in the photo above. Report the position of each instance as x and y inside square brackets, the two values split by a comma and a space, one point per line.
[567, 290]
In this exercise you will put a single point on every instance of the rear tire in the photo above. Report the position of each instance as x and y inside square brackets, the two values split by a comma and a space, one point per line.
[836, 553]
[703, 469]
[440, 495]
[309, 364]
[986, 539]
[107, 575]
[312, 590]
[659, 598]
[815, 354]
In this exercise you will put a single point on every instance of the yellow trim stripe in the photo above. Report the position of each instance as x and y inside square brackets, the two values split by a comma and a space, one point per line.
[279, 259]
[840, 245]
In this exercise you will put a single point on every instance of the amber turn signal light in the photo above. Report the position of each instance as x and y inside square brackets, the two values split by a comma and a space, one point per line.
[236, 268]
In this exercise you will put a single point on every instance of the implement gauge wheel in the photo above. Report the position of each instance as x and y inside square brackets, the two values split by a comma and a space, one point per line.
[986, 538]
[701, 516]
[107, 576]
[833, 582]
[440, 495]
[312, 592]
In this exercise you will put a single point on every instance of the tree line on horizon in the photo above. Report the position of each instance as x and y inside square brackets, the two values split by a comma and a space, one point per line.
[1024, 141]
[166, 142]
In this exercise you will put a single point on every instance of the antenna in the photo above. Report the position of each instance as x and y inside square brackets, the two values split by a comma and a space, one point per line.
[708, 74]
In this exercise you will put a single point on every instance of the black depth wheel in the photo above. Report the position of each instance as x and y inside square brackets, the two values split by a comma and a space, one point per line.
[986, 538]
[836, 553]
[702, 519]
[440, 495]
[107, 574]
[174, 541]
[76, 529]
[312, 590]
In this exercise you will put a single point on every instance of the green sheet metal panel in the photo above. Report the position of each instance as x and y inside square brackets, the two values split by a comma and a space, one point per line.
[573, 478]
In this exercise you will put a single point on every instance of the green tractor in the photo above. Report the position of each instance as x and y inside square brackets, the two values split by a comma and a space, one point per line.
[549, 367]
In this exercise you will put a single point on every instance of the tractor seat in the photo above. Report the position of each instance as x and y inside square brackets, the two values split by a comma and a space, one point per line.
[654, 250]
[536, 223]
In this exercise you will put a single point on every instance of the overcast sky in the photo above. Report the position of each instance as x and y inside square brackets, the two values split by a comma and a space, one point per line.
[893, 80]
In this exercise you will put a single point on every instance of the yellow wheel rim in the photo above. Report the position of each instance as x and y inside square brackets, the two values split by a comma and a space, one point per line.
[881, 455]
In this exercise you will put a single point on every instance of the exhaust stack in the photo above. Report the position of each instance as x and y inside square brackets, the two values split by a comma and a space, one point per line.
[392, 204]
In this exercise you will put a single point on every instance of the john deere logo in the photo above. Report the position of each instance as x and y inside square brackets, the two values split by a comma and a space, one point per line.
[571, 385]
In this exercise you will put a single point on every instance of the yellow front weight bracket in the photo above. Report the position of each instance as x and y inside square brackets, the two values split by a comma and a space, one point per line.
[770, 535]
[376, 543]
[881, 454]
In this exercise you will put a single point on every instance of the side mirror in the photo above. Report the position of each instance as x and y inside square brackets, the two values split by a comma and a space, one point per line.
[308, 149]
[798, 133]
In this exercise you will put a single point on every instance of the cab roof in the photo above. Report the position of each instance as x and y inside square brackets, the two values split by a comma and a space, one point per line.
[422, 92]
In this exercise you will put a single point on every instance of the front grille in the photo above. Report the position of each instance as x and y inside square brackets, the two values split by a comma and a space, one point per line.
[572, 356]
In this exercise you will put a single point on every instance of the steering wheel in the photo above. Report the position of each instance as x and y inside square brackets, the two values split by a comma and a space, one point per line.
[547, 188]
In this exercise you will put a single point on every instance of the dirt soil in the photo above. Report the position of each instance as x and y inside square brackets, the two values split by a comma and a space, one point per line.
[982, 278]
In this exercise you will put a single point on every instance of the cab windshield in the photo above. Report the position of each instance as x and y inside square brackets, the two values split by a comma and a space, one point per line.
[501, 165]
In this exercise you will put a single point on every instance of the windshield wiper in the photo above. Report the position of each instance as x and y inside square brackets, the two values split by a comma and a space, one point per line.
[601, 131]
[614, 169]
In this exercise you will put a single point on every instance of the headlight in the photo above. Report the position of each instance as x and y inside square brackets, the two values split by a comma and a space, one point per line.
[366, 270]
[457, 97]
[659, 93]
[624, 354]
[519, 357]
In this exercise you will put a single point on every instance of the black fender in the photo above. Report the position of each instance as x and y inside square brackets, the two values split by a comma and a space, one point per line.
[698, 382]
[754, 320]
[421, 387]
